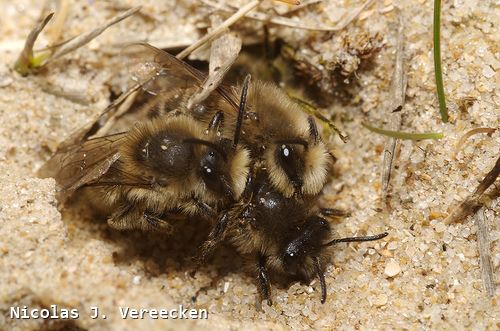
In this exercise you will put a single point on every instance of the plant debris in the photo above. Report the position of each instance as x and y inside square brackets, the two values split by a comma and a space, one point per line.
[223, 52]
[472, 203]
[437, 61]
[483, 242]
[220, 29]
[467, 135]
[287, 22]
[27, 61]
[83, 39]
[397, 99]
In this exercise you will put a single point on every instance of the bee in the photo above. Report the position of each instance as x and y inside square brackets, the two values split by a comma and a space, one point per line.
[281, 137]
[285, 235]
[268, 156]
[277, 219]
[165, 168]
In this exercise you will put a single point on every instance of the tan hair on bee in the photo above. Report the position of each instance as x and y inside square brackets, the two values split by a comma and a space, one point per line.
[296, 158]
[189, 171]
[168, 167]
[279, 133]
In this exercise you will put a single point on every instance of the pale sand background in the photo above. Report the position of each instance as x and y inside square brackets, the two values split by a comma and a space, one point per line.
[76, 262]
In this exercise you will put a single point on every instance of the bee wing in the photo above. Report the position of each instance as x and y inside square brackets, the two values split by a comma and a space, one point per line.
[158, 71]
[82, 164]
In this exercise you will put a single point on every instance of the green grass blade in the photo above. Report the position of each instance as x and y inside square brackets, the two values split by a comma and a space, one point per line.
[404, 135]
[437, 61]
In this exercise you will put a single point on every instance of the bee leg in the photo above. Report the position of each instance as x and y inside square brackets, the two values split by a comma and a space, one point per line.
[333, 212]
[203, 209]
[313, 129]
[247, 191]
[264, 284]
[156, 224]
[215, 236]
[124, 218]
[217, 122]
[321, 277]
[129, 218]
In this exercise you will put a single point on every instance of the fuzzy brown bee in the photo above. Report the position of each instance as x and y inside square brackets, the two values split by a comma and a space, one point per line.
[277, 220]
[281, 136]
[287, 235]
[159, 170]
[264, 198]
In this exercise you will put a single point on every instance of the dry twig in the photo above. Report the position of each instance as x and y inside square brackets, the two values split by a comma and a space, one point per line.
[85, 38]
[397, 99]
[471, 204]
[220, 29]
[284, 21]
[483, 242]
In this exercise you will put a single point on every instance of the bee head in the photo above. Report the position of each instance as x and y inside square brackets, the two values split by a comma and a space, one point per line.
[299, 166]
[222, 170]
[307, 245]
[303, 253]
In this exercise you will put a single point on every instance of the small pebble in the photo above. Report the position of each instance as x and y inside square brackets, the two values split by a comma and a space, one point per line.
[381, 300]
[440, 227]
[392, 268]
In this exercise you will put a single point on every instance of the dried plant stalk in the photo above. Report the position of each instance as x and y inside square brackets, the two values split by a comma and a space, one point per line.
[85, 38]
[290, 2]
[469, 134]
[54, 31]
[397, 99]
[483, 242]
[284, 21]
[26, 61]
[220, 29]
[471, 204]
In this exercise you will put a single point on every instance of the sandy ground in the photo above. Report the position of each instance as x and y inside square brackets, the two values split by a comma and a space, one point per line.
[424, 275]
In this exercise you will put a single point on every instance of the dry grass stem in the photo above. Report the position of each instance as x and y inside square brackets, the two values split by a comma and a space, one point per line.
[483, 242]
[85, 38]
[472, 203]
[121, 109]
[460, 144]
[284, 21]
[397, 99]
[220, 29]
[54, 31]
[290, 2]
[26, 60]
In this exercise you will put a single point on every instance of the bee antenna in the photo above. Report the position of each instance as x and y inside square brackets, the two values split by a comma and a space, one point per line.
[241, 110]
[206, 143]
[353, 239]
[321, 277]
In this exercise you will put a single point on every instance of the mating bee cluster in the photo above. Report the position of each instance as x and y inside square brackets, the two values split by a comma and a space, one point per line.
[247, 158]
